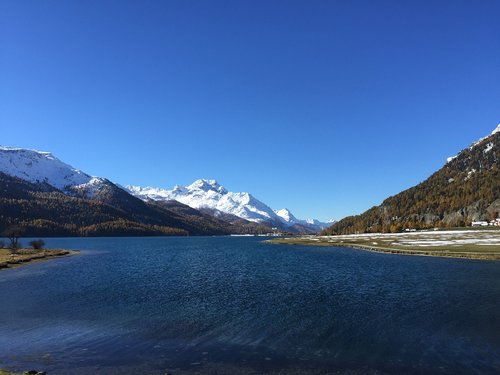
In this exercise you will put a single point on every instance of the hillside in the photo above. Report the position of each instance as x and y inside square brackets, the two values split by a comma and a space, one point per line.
[43, 210]
[465, 189]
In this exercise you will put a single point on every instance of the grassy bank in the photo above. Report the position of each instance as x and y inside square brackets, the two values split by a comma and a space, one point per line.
[456, 244]
[26, 256]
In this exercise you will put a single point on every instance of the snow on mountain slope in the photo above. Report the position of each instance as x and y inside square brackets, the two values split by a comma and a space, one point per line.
[496, 130]
[38, 167]
[286, 215]
[42, 167]
[209, 194]
[313, 224]
[487, 149]
[321, 224]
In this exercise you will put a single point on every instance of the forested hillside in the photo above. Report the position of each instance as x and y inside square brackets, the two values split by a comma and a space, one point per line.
[42, 210]
[466, 189]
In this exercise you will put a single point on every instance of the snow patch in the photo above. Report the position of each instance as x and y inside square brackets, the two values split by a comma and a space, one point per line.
[92, 187]
[497, 129]
[469, 174]
[488, 148]
[451, 158]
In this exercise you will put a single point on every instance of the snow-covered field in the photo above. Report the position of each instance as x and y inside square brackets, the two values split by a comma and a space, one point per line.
[475, 244]
[427, 239]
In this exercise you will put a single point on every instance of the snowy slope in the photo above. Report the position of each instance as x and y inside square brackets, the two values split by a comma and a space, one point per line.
[286, 215]
[487, 149]
[209, 194]
[42, 167]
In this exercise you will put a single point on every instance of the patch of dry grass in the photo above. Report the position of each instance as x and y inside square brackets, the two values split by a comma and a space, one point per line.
[23, 256]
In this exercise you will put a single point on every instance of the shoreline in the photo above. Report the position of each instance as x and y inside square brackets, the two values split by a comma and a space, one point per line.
[31, 372]
[445, 252]
[29, 256]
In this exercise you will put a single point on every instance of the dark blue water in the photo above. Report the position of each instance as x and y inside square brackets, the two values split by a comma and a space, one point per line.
[239, 306]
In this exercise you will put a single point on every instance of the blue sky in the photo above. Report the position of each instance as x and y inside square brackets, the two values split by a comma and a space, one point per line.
[324, 107]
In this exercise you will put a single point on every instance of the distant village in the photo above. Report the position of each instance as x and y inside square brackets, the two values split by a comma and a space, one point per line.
[492, 223]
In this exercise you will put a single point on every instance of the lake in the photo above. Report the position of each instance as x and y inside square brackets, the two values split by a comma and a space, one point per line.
[236, 305]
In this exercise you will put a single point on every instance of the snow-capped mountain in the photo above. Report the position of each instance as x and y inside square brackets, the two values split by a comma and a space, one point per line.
[44, 189]
[314, 224]
[321, 223]
[286, 215]
[42, 167]
[210, 194]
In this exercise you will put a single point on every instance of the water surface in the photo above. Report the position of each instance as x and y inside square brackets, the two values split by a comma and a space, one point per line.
[235, 305]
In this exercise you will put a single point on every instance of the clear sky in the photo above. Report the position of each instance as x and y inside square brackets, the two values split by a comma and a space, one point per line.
[323, 107]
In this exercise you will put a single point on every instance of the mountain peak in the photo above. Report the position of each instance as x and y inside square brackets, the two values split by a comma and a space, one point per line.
[286, 215]
[206, 185]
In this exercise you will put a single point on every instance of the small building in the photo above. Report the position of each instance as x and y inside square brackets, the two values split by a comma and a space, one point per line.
[479, 223]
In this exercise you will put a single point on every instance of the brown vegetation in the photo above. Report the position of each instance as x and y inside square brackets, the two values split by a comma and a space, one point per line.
[9, 259]
[40, 210]
[465, 189]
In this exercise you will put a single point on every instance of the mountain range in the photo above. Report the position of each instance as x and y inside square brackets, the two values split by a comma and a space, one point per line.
[210, 196]
[464, 190]
[49, 197]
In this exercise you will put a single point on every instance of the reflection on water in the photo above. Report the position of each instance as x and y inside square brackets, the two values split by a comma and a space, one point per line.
[230, 305]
